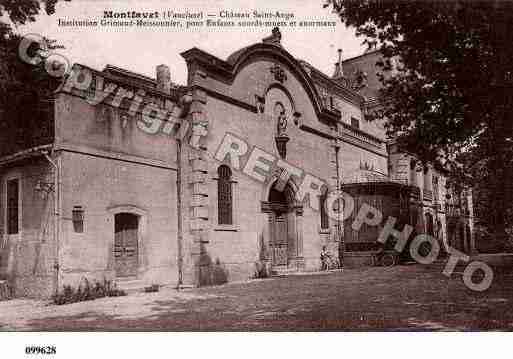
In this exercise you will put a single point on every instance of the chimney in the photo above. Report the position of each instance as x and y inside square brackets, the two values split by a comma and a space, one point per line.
[164, 78]
[370, 48]
[339, 71]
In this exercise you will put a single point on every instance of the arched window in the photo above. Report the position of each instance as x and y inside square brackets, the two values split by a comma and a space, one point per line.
[224, 195]
[325, 224]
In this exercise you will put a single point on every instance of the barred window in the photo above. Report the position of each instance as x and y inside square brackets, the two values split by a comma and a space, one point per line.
[224, 195]
[324, 215]
[12, 206]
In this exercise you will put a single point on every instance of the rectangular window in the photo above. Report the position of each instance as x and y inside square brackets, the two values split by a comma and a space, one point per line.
[12, 206]
[355, 122]
[78, 219]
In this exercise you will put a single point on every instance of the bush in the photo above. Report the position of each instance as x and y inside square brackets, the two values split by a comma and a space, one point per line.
[87, 292]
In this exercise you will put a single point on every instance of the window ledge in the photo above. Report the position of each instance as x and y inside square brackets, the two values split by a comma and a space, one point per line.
[226, 228]
[324, 230]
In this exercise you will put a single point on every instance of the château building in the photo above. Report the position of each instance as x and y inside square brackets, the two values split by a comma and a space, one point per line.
[96, 191]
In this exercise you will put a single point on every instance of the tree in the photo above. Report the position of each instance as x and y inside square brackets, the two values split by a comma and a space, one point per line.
[23, 11]
[450, 100]
[25, 90]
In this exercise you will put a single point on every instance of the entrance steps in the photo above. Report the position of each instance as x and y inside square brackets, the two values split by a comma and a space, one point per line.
[131, 285]
[283, 270]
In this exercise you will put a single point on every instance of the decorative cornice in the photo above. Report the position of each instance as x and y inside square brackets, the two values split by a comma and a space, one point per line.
[347, 138]
[377, 186]
[24, 154]
[111, 155]
[227, 70]
[127, 83]
[228, 99]
[357, 133]
[317, 132]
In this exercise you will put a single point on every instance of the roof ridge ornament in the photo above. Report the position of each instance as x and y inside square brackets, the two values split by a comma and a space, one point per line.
[274, 38]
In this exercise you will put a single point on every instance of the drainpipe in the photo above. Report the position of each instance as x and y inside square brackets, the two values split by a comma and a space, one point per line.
[339, 227]
[185, 101]
[56, 231]
[179, 211]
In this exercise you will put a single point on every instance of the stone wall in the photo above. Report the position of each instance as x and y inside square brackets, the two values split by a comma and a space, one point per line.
[110, 166]
[27, 258]
[103, 187]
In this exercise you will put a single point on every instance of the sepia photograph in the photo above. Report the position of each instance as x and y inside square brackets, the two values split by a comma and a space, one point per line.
[255, 166]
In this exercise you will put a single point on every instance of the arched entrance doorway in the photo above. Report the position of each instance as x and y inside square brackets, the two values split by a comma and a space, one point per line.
[280, 227]
[284, 228]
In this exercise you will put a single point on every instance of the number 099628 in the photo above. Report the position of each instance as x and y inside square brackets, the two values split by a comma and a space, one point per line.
[38, 350]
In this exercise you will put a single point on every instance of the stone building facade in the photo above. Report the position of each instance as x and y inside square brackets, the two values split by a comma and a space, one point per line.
[446, 211]
[114, 192]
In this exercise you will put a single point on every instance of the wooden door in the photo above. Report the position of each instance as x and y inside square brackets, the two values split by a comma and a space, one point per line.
[280, 240]
[126, 246]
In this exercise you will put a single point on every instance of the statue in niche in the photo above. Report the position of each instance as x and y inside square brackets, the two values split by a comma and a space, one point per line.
[260, 103]
[280, 115]
[281, 137]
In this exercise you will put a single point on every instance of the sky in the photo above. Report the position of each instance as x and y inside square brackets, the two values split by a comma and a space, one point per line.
[142, 49]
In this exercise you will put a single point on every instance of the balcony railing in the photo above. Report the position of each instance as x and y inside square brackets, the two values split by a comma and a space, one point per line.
[361, 135]
[428, 195]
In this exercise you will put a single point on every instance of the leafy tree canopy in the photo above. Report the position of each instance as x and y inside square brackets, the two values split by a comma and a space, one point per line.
[23, 11]
[450, 100]
[25, 90]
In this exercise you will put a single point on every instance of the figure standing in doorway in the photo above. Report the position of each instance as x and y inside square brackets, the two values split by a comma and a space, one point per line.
[324, 258]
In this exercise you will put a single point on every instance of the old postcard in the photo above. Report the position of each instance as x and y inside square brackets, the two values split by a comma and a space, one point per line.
[237, 166]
